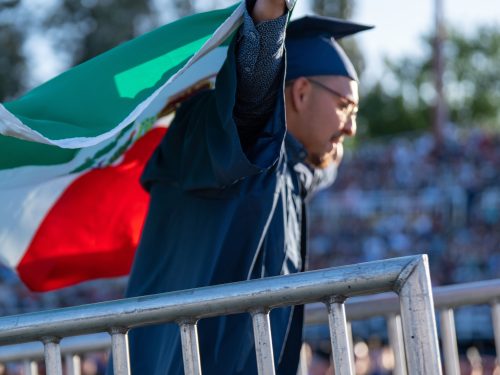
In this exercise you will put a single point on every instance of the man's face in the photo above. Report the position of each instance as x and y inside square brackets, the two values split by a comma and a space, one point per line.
[327, 116]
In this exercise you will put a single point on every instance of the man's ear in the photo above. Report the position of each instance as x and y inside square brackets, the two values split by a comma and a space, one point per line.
[300, 91]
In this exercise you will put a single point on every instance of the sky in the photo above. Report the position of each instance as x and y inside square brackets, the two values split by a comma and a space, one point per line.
[401, 23]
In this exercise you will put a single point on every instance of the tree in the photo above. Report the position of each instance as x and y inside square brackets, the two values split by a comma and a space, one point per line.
[184, 7]
[404, 101]
[86, 28]
[385, 114]
[340, 9]
[471, 78]
[12, 58]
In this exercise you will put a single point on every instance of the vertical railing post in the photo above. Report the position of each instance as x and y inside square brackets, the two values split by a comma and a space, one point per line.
[72, 364]
[339, 336]
[30, 367]
[53, 362]
[495, 315]
[190, 347]
[396, 342]
[449, 341]
[119, 349]
[263, 342]
[419, 322]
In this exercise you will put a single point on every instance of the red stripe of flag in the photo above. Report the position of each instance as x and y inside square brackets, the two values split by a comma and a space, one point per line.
[93, 229]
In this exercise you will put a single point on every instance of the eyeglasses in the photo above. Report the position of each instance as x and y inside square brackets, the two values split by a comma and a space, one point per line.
[348, 108]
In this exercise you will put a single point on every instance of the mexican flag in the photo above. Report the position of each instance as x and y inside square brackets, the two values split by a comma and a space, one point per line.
[72, 150]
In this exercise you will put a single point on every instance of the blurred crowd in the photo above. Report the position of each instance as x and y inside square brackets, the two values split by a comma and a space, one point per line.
[399, 196]
[409, 195]
[15, 298]
[374, 358]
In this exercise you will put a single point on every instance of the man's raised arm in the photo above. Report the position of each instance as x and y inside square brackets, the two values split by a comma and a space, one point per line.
[260, 64]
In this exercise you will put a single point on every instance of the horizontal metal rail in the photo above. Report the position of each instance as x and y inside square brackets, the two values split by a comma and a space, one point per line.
[69, 345]
[385, 304]
[357, 308]
[300, 288]
[408, 276]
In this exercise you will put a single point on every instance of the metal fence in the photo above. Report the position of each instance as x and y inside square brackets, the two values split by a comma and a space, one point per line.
[407, 276]
[72, 348]
[446, 300]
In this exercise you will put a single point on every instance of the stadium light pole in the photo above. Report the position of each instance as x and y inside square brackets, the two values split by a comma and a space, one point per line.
[440, 112]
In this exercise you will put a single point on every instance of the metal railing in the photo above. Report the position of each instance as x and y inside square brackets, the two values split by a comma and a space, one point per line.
[71, 350]
[407, 276]
[446, 299]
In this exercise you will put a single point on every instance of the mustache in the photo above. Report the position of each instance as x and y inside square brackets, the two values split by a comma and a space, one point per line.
[337, 137]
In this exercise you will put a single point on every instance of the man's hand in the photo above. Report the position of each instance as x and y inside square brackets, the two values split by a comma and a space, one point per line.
[265, 10]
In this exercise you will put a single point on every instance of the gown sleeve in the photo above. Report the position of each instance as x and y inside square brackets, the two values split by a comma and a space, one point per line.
[203, 148]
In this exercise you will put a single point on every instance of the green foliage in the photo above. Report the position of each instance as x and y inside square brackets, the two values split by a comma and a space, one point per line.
[404, 100]
[86, 28]
[334, 8]
[472, 83]
[383, 114]
[4, 4]
[184, 7]
[12, 61]
[12, 58]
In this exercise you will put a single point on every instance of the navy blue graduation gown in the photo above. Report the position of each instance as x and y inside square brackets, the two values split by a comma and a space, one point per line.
[217, 215]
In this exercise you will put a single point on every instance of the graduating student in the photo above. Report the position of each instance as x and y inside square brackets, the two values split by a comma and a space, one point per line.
[230, 180]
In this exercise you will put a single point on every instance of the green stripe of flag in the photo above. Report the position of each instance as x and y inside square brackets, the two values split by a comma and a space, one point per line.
[95, 96]
[16, 152]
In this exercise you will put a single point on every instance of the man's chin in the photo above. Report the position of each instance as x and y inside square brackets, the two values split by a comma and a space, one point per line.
[321, 161]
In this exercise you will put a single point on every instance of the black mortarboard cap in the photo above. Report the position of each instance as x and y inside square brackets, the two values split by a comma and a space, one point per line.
[312, 48]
